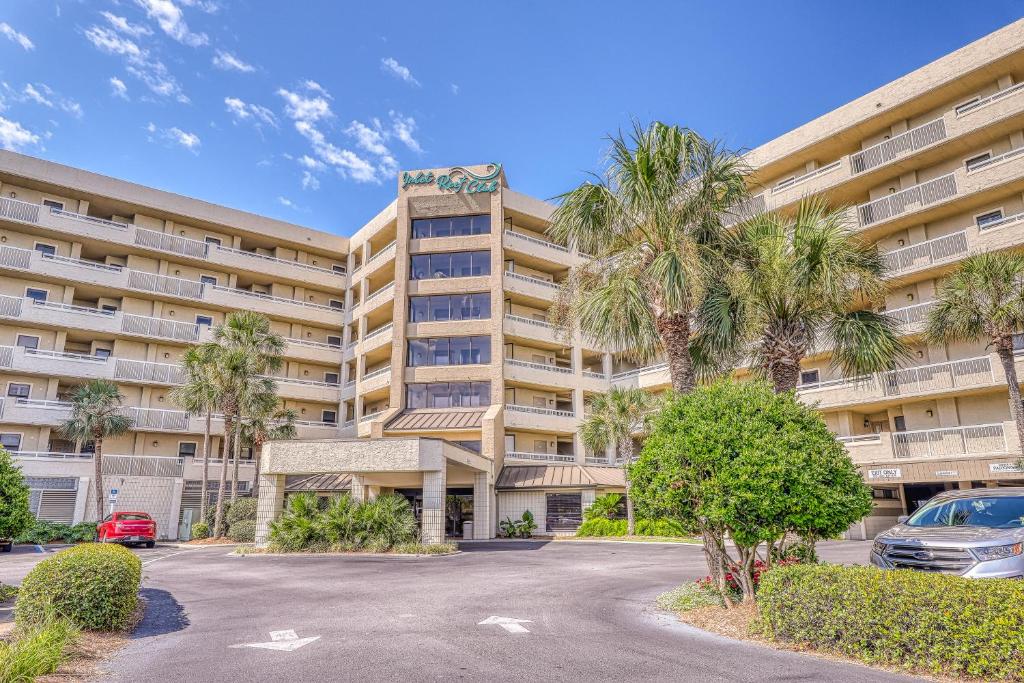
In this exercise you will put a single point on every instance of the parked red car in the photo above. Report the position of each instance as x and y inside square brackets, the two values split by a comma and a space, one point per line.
[127, 527]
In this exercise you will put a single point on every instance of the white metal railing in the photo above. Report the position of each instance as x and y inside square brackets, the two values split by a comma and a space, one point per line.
[860, 438]
[299, 380]
[14, 257]
[315, 423]
[948, 441]
[598, 460]
[538, 366]
[984, 101]
[373, 295]
[158, 327]
[65, 355]
[745, 209]
[275, 259]
[162, 241]
[348, 423]
[163, 284]
[910, 315]
[927, 252]
[594, 375]
[538, 240]
[6, 356]
[81, 263]
[88, 219]
[145, 371]
[142, 465]
[380, 252]
[969, 371]
[529, 321]
[546, 457]
[999, 158]
[50, 455]
[70, 308]
[314, 344]
[895, 147]
[10, 306]
[379, 331]
[901, 202]
[19, 211]
[370, 416]
[278, 299]
[1002, 222]
[43, 404]
[377, 373]
[791, 182]
[539, 411]
[156, 418]
[532, 280]
[639, 371]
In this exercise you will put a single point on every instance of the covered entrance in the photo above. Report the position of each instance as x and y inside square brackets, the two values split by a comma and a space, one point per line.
[445, 482]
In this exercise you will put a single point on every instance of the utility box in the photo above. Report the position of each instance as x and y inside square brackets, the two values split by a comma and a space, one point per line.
[467, 530]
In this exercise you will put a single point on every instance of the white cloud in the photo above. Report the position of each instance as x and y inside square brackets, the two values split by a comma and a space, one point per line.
[171, 21]
[243, 111]
[455, 88]
[316, 87]
[229, 62]
[390, 65]
[14, 137]
[37, 97]
[370, 139]
[208, 6]
[284, 201]
[189, 141]
[301, 108]
[122, 25]
[403, 128]
[109, 41]
[44, 95]
[19, 38]
[310, 163]
[152, 72]
[310, 181]
[118, 88]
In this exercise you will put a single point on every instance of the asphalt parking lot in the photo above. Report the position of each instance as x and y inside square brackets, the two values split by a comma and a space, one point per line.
[555, 611]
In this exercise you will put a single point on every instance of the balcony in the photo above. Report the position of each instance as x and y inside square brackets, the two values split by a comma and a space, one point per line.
[528, 328]
[899, 146]
[530, 286]
[538, 247]
[307, 390]
[647, 377]
[539, 457]
[907, 201]
[986, 439]
[913, 317]
[931, 252]
[376, 338]
[375, 380]
[143, 466]
[539, 373]
[375, 299]
[546, 419]
[382, 257]
[799, 180]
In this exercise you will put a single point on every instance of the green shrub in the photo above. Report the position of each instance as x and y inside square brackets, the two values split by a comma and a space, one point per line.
[600, 526]
[200, 530]
[384, 522]
[945, 624]
[298, 526]
[243, 509]
[518, 528]
[660, 527]
[37, 651]
[377, 525]
[243, 531]
[428, 549]
[94, 585]
[7, 593]
[43, 532]
[689, 596]
[15, 515]
[606, 507]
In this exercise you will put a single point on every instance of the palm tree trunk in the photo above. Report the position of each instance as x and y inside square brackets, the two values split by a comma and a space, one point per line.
[97, 462]
[626, 446]
[785, 375]
[236, 450]
[257, 453]
[674, 331]
[1004, 349]
[206, 468]
[218, 519]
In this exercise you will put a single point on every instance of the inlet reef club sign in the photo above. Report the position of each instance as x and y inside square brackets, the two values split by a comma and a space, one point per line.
[457, 179]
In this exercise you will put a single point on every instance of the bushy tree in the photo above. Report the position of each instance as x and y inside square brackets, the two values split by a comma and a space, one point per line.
[15, 516]
[738, 459]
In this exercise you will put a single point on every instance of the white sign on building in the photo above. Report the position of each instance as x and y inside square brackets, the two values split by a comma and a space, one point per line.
[885, 473]
[998, 467]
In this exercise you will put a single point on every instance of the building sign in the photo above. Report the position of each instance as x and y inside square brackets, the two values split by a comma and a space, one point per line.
[457, 179]
[885, 473]
[998, 467]
[946, 473]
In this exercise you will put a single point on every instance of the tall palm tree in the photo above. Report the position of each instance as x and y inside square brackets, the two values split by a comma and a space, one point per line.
[795, 284]
[260, 427]
[984, 300]
[199, 396]
[251, 334]
[651, 224]
[96, 414]
[613, 419]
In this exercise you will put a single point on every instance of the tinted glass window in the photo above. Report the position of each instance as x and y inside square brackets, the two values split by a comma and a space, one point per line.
[36, 294]
[482, 224]
[133, 516]
[188, 448]
[994, 512]
[448, 395]
[439, 308]
[19, 390]
[462, 225]
[455, 264]
[420, 228]
[440, 265]
[416, 396]
[462, 264]
[481, 263]
[418, 309]
[417, 352]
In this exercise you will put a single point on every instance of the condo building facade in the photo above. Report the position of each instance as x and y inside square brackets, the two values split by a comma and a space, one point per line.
[420, 354]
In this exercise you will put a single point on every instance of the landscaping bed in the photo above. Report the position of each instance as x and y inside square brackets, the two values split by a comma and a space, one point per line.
[410, 549]
[687, 540]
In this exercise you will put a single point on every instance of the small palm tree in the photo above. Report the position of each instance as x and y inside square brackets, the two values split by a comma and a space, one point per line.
[96, 414]
[259, 428]
[614, 418]
[984, 300]
[795, 283]
[199, 396]
[651, 224]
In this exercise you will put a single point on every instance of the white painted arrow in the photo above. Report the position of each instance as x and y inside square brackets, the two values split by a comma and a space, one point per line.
[284, 641]
[510, 624]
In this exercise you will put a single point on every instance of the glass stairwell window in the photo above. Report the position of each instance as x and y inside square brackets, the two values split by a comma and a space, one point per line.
[989, 219]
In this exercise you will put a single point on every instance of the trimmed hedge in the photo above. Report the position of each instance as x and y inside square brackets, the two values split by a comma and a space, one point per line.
[200, 530]
[94, 585]
[42, 532]
[945, 624]
[243, 531]
[242, 510]
[600, 526]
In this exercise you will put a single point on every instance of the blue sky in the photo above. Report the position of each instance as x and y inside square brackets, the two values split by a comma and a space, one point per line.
[304, 109]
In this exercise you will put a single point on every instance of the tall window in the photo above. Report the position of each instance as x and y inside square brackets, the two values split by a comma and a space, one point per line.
[450, 307]
[450, 264]
[449, 351]
[451, 226]
[448, 395]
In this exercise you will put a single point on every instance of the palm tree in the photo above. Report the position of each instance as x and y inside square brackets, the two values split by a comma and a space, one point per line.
[199, 396]
[650, 224]
[793, 285]
[259, 428]
[96, 414]
[613, 419]
[984, 300]
[250, 333]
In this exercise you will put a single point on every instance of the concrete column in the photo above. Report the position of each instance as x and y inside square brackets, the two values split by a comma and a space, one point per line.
[176, 489]
[483, 492]
[587, 497]
[433, 507]
[81, 498]
[358, 489]
[269, 505]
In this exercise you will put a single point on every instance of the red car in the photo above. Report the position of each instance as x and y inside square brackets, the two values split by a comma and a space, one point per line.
[127, 527]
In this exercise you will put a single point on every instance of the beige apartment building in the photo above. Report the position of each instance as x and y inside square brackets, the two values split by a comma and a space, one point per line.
[420, 353]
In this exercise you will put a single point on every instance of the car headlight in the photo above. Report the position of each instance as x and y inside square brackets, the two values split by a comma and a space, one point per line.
[998, 552]
[879, 547]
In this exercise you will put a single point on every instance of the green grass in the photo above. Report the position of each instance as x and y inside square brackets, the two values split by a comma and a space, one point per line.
[7, 592]
[400, 549]
[688, 596]
[633, 539]
[36, 651]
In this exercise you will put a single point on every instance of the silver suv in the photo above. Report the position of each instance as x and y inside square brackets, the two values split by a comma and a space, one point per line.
[977, 533]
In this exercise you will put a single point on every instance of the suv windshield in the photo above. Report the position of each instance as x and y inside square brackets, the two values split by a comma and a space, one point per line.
[995, 512]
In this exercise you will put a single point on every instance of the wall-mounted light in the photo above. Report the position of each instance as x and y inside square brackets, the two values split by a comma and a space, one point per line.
[900, 242]
[177, 272]
[182, 233]
[920, 354]
[910, 297]
[308, 335]
[13, 195]
[3, 238]
[156, 443]
[170, 314]
[303, 411]
[160, 399]
[310, 297]
[929, 413]
[867, 422]
[305, 373]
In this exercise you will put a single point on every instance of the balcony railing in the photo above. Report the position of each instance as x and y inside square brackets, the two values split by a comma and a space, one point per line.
[907, 200]
[791, 182]
[155, 418]
[380, 252]
[370, 416]
[51, 455]
[275, 259]
[900, 145]
[970, 440]
[142, 466]
[998, 159]
[145, 371]
[70, 308]
[379, 331]
[984, 101]
[529, 321]
[539, 411]
[1002, 222]
[379, 292]
[163, 241]
[19, 211]
[538, 241]
[594, 375]
[148, 326]
[926, 253]
[860, 438]
[162, 284]
[377, 373]
[935, 376]
[278, 299]
[538, 366]
[545, 457]
[14, 257]
[911, 315]
[531, 280]
[639, 371]
[89, 219]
